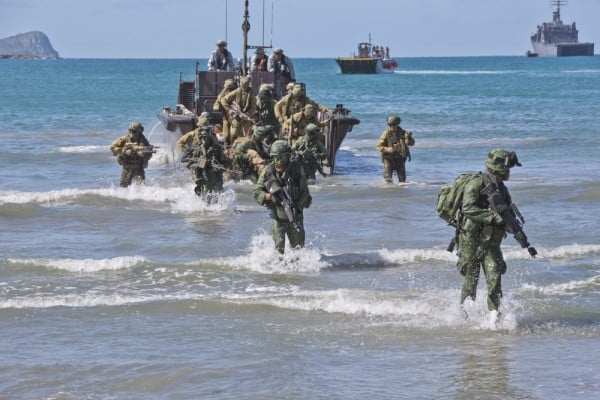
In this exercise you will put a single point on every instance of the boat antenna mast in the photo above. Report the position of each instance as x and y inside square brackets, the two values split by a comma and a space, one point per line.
[245, 29]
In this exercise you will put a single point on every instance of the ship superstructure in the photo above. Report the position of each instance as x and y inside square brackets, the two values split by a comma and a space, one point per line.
[556, 39]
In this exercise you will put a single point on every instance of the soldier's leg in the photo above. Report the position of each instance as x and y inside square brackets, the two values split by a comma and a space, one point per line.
[296, 237]
[387, 170]
[493, 267]
[468, 265]
[226, 133]
[139, 175]
[126, 177]
[401, 170]
[278, 235]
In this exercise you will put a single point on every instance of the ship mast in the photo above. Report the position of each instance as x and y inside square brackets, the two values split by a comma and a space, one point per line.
[556, 14]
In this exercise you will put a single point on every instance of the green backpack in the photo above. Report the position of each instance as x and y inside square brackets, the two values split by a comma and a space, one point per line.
[450, 198]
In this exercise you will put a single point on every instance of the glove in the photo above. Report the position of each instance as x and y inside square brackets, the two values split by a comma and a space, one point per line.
[497, 220]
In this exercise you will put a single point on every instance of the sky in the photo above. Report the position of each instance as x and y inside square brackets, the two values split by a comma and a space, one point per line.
[303, 28]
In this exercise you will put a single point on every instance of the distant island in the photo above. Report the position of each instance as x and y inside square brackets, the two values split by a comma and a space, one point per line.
[30, 46]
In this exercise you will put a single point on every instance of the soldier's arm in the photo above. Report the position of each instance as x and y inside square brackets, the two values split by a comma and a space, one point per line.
[304, 199]
[260, 190]
[471, 204]
[182, 142]
[382, 143]
[290, 68]
[117, 146]
[279, 108]
[228, 99]
[409, 140]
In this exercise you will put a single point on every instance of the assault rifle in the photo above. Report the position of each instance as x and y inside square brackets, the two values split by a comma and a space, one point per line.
[141, 148]
[309, 158]
[238, 113]
[510, 214]
[281, 196]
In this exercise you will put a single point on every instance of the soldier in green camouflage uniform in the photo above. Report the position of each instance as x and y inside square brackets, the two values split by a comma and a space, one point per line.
[208, 164]
[310, 150]
[481, 231]
[288, 175]
[265, 108]
[251, 154]
[393, 146]
[133, 152]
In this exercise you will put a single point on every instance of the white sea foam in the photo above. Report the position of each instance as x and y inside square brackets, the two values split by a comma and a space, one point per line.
[262, 257]
[84, 265]
[84, 149]
[91, 300]
[181, 198]
[571, 287]
[423, 309]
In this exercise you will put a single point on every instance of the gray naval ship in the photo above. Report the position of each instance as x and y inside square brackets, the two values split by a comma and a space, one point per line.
[555, 39]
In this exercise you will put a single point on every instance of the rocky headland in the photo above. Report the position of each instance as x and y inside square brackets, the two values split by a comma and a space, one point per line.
[30, 45]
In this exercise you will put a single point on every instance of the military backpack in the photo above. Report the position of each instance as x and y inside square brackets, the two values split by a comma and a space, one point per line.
[450, 198]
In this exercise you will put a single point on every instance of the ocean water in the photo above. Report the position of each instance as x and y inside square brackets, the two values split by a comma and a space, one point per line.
[148, 293]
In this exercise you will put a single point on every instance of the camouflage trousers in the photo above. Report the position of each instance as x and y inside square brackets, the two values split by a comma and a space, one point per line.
[473, 255]
[131, 172]
[279, 230]
[394, 164]
[207, 181]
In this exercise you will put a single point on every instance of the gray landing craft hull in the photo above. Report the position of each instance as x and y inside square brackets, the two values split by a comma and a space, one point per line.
[563, 50]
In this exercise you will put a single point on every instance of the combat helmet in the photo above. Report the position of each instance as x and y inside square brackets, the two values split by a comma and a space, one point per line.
[280, 152]
[229, 84]
[136, 127]
[265, 88]
[246, 82]
[499, 162]
[259, 132]
[393, 120]
[311, 129]
[297, 90]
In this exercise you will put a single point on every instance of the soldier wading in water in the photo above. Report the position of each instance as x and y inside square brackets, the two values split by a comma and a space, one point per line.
[393, 146]
[487, 214]
[133, 152]
[283, 189]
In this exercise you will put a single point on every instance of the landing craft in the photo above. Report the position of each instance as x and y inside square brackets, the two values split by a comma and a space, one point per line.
[369, 60]
[199, 95]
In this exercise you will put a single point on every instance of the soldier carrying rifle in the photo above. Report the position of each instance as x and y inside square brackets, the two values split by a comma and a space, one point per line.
[133, 152]
[393, 146]
[283, 189]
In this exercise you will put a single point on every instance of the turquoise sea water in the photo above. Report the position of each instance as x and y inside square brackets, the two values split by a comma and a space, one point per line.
[148, 293]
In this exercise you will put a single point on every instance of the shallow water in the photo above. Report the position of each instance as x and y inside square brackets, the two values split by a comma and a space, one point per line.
[147, 292]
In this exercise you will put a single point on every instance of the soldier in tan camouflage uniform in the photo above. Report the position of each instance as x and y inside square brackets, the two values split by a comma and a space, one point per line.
[228, 87]
[300, 120]
[295, 102]
[394, 148]
[240, 105]
[133, 152]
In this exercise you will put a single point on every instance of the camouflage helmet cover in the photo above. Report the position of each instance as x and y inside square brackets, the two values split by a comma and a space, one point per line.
[229, 84]
[259, 131]
[311, 129]
[393, 120]
[499, 162]
[280, 152]
[265, 88]
[136, 127]
[245, 82]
